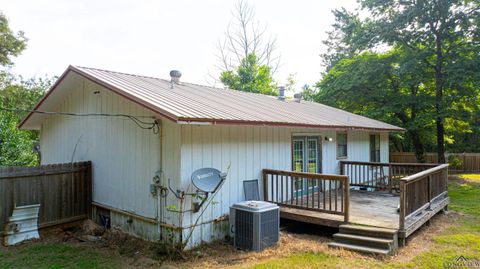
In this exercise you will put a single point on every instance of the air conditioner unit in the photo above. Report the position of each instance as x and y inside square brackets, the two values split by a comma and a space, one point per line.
[255, 225]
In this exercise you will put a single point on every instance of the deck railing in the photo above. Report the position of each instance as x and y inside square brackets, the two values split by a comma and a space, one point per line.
[311, 191]
[380, 176]
[422, 191]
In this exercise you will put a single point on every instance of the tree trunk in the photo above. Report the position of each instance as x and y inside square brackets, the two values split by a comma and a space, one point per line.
[439, 100]
[417, 145]
[440, 141]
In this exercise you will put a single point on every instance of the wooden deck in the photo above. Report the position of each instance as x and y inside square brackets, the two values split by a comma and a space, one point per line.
[400, 197]
[377, 209]
[370, 208]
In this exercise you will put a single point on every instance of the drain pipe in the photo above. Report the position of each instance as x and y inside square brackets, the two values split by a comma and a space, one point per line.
[161, 181]
[159, 214]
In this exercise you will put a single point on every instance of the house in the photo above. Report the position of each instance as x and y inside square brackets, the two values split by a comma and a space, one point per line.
[181, 127]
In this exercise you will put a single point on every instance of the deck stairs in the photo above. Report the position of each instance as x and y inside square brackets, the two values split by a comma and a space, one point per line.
[366, 239]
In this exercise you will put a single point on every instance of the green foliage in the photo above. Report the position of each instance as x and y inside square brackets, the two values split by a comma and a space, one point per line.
[454, 160]
[426, 81]
[385, 87]
[16, 146]
[11, 44]
[250, 76]
[290, 83]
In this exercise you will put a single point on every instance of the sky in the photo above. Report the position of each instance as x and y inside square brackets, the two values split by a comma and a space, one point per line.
[151, 38]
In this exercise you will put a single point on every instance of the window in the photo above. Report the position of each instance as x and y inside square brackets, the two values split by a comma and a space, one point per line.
[341, 145]
[375, 148]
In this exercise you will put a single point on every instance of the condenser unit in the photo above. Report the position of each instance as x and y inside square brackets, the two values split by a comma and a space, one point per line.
[255, 224]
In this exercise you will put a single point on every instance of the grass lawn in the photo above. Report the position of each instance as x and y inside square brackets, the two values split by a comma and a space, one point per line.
[463, 238]
[449, 236]
[56, 255]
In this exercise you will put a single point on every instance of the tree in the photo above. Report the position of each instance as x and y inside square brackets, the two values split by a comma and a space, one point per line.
[382, 86]
[11, 44]
[16, 146]
[250, 76]
[244, 36]
[290, 83]
[441, 35]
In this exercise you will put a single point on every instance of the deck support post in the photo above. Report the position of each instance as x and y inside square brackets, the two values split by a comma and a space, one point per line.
[347, 199]
[402, 212]
[445, 210]
[390, 178]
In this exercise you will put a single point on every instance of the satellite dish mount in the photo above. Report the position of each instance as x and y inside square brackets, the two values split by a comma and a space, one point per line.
[206, 180]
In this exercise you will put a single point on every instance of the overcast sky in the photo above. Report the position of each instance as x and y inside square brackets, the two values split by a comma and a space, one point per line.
[152, 37]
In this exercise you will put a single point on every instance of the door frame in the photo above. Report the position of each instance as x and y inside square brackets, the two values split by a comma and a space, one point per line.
[319, 158]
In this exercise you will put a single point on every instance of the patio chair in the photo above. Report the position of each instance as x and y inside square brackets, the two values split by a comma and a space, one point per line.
[250, 189]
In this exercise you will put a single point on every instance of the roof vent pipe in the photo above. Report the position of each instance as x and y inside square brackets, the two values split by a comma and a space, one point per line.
[175, 77]
[297, 97]
[281, 93]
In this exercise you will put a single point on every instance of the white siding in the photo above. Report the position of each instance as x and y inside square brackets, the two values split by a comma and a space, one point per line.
[247, 150]
[124, 157]
[384, 148]
[359, 146]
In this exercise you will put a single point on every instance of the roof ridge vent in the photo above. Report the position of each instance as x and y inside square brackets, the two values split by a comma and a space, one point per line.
[175, 77]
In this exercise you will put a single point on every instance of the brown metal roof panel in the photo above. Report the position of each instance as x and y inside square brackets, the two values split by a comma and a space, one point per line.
[203, 103]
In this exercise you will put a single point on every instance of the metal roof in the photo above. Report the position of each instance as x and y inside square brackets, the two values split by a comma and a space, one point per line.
[192, 103]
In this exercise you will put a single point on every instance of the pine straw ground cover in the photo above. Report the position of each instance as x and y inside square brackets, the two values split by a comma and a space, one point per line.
[301, 246]
[447, 237]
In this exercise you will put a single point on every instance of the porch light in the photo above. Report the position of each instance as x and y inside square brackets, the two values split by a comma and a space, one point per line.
[329, 139]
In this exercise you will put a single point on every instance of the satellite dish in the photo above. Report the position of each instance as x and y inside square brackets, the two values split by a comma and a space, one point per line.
[208, 179]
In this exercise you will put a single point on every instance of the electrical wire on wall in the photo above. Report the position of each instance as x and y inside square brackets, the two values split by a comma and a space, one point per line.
[154, 125]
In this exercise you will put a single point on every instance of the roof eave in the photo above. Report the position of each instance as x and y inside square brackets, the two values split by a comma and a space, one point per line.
[203, 121]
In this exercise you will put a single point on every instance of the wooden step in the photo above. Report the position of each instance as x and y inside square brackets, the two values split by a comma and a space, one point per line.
[369, 231]
[360, 248]
[366, 241]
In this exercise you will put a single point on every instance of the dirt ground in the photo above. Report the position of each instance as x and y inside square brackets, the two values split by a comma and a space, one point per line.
[295, 238]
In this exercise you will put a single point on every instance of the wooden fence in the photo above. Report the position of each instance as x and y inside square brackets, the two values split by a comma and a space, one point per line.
[470, 161]
[64, 191]
[310, 191]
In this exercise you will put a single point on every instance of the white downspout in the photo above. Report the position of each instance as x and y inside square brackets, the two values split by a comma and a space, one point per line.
[159, 191]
